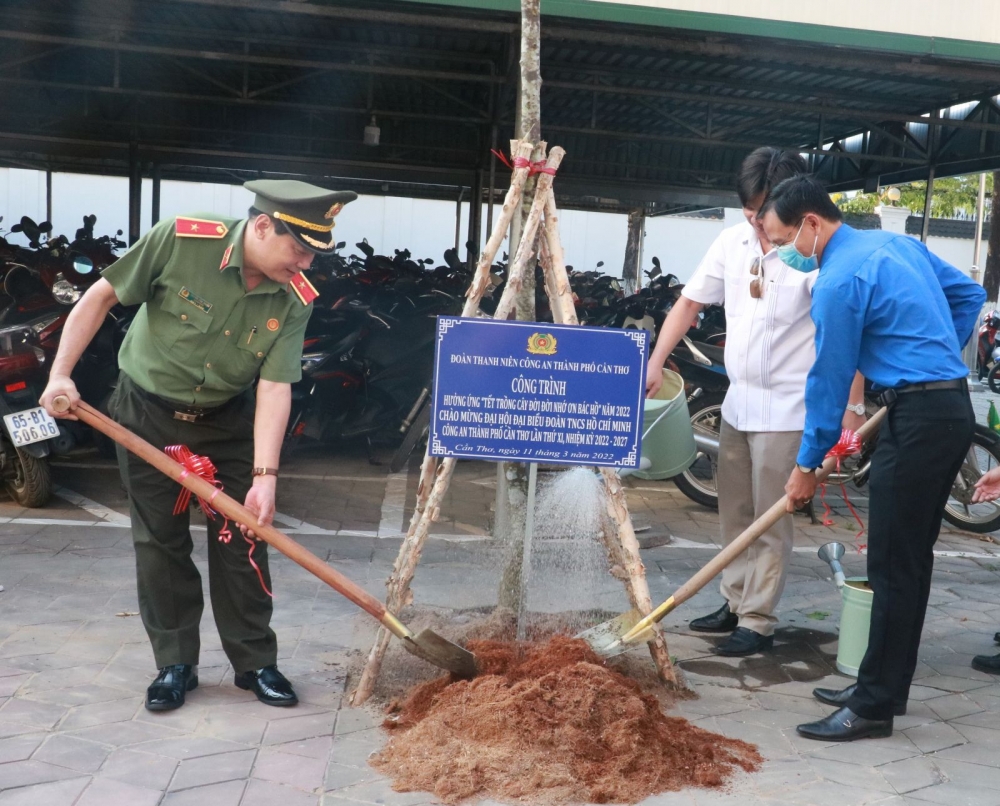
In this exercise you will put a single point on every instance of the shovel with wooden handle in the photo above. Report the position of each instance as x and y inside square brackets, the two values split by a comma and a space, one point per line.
[620, 634]
[427, 645]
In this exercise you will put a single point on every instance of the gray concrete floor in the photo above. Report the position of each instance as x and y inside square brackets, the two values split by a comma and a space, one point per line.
[75, 662]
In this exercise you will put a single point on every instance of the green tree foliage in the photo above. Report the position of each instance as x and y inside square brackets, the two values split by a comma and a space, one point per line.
[953, 196]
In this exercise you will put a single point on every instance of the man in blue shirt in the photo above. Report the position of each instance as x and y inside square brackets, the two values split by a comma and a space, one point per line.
[886, 307]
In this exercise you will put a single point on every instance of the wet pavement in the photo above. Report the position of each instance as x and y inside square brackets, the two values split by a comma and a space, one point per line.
[75, 662]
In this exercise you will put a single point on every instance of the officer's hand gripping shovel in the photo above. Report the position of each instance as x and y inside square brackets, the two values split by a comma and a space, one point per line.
[623, 632]
[427, 645]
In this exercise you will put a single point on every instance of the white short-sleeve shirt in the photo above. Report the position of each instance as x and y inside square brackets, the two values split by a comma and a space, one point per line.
[769, 341]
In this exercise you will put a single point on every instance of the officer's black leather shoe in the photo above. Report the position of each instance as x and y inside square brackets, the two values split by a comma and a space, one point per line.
[846, 726]
[270, 686]
[987, 663]
[838, 697]
[722, 620]
[744, 642]
[167, 692]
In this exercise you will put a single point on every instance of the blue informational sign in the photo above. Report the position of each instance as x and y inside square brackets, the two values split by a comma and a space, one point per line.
[535, 392]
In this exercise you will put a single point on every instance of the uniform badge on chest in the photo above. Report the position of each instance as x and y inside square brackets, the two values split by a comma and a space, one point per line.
[188, 295]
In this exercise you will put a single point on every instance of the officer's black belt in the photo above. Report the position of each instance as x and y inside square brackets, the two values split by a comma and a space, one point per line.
[889, 396]
[180, 411]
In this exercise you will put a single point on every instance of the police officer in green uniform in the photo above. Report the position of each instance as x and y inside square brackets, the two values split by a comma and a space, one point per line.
[223, 302]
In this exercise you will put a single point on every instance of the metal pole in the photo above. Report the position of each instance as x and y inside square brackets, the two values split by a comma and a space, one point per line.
[927, 204]
[156, 194]
[134, 193]
[529, 528]
[475, 219]
[458, 217]
[48, 196]
[977, 275]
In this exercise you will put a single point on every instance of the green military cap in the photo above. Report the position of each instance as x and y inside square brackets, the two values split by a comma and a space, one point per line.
[306, 210]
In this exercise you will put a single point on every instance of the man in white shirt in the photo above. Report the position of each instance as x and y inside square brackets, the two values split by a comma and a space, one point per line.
[769, 350]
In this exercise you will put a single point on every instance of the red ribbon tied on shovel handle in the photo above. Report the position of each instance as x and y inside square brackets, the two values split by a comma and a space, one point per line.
[202, 466]
[848, 445]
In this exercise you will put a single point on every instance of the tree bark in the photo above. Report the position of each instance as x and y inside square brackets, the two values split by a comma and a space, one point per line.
[991, 278]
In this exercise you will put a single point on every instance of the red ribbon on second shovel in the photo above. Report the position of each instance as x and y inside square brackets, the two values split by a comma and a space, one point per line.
[202, 466]
[848, 445]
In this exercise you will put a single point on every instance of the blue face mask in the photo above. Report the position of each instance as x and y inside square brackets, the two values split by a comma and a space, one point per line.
[793, 258]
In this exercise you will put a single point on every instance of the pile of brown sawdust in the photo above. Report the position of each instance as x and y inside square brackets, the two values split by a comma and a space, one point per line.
[548, 723]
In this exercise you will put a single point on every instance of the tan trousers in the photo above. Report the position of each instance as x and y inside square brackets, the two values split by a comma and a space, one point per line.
[753, 470]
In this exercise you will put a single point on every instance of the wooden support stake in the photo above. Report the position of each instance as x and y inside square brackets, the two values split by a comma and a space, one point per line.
[431, 493]
[622, 546]
[526, 249]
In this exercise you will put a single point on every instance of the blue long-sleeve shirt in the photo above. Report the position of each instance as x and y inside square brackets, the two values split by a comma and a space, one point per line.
[886, 306]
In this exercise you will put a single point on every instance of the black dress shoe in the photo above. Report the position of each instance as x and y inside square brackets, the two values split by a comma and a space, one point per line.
[167, 692]
[744, 642]
[270, 686]
[846, 726]
[996, 638]
[722, 620]
[838, 697]
[987, 663]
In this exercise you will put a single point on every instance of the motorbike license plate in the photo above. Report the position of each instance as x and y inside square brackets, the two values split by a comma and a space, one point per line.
[30, 425]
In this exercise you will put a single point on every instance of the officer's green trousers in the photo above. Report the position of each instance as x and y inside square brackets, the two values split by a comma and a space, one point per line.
[170, 591]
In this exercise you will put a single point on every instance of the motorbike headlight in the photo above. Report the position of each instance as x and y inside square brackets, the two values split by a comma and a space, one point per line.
[311, 361]
[65, 292]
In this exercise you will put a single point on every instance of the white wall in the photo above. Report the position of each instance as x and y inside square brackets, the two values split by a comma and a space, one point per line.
[958, 252]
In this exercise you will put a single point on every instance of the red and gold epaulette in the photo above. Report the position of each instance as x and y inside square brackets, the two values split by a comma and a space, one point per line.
[303, 289]
[200, 228]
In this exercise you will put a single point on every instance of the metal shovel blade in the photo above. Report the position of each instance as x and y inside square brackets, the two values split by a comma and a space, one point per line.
[431, 647]
[606, 638]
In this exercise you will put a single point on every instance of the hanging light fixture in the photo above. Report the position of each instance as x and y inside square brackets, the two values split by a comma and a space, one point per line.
[372, 133]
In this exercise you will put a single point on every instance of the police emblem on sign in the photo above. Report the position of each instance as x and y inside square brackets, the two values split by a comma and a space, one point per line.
[542, 344]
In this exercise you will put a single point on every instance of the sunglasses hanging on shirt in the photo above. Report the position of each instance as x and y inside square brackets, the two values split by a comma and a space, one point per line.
[757, 283]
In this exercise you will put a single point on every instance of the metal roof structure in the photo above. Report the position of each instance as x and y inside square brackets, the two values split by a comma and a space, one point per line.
[651, 116]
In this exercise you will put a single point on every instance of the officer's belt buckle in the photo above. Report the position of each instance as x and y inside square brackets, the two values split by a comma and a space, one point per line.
[188, 418]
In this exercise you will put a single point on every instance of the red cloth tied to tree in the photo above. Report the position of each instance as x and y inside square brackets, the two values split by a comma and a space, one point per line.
[540, 167]
[848, 445]
[202, 466]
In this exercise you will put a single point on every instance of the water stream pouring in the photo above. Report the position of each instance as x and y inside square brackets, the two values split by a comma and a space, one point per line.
[427, 645]
[831, 554]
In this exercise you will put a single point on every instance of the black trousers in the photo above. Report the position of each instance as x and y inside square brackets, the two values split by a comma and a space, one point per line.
[169, 583]
[921, 447]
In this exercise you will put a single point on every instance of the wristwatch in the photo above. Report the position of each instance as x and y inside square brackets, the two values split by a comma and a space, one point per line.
[265, 471]
[857, 408]
[804, 469]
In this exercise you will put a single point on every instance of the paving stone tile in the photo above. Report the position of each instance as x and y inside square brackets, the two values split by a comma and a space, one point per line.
[225, 794]
[827, 793]
[935, 736]
[30, 712]
[102, 713]
[911, 774]
[213, 769]
[953, 793]
[266, 793]
[339, 776]
[382, 792]
[107, 792]
[296, 771]
[11, 684]
[353, 753]
[26, 773]
[81, 695]
[15, 729]
[59, 678]
[232, 727]
[20, 748]
[70, 751]
[953, 707]
[355, 719]
[187, 747]
[873, 753]
[954, 685]
[138, 768]
[853, 775]
[318, 748]
[61, 793]
[123, 734]
[981, 719]
[304, 727]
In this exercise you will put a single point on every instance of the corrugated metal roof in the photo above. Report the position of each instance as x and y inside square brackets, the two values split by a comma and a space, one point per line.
[647, 117]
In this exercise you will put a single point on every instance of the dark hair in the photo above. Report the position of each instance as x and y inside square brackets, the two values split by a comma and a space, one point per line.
[764, 168]
[795, 197]
[279, 226]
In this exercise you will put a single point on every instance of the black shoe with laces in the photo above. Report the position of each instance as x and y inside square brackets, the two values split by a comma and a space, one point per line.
[270, 686]
[167, 691]
[838, 697]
